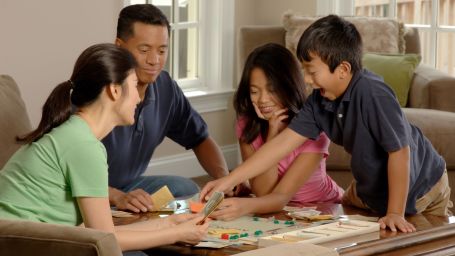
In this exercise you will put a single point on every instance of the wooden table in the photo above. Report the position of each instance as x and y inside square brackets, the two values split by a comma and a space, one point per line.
[434, 236]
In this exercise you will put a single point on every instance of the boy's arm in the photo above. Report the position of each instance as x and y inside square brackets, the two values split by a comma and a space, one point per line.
[398, 180]
[269, 154]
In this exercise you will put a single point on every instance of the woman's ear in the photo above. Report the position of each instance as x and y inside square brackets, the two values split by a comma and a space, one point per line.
[114, 92]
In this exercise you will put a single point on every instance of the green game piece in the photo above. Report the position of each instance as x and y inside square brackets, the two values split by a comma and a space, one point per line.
[276, 221]
[244, 235]
[289, 222]
[234, 237]
[257, 232]
[256, 218]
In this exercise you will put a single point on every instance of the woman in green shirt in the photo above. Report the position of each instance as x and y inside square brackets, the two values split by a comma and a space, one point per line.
[60, 173]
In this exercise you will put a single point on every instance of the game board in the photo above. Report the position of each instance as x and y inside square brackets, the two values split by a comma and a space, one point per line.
[248, 229]
[322, 233]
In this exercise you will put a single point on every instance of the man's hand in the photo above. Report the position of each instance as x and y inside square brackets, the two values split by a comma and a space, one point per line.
[394, 221]
[137, 200]
[222, 184]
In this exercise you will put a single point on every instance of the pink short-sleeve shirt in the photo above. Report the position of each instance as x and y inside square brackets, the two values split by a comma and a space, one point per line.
[319, 187]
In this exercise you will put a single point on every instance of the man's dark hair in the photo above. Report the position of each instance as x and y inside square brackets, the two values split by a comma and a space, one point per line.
[334, 40]
[144, 13]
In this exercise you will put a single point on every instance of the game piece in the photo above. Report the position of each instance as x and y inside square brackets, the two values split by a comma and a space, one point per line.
[196, 207]
[161, 198]
[215, 200]
[258, 232]
[225, 236]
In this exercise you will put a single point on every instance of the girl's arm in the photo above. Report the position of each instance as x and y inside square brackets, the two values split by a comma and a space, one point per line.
[296, 176]
[97, 215]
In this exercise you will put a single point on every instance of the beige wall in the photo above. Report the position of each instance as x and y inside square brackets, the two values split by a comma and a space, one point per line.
[40, 40]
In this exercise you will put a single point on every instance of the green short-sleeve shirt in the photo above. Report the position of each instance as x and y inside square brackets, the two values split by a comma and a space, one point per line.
[42, 180]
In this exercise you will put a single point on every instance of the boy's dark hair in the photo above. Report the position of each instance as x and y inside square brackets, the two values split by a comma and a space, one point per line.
[334, 40]
[285, 79]
[144, 13]
[98, 66]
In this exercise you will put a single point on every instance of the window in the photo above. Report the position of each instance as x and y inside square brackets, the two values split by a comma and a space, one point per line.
[201, 49]
[435, 20]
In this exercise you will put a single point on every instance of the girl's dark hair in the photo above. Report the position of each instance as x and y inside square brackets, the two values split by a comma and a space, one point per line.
[285, 79]
[98, 66]
[144, 13]
[334, 40]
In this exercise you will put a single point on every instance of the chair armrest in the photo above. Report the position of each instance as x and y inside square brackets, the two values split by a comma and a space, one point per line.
[32, 238]
[432, 89]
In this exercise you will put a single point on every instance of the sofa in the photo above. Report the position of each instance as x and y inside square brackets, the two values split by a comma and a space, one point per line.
[429, 105]
[31, 238]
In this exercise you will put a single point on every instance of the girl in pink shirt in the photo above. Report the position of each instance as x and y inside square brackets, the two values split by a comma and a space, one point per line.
[270, 93]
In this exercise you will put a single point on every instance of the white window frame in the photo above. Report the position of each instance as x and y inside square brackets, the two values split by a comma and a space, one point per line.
[214, 87]
[346, 7]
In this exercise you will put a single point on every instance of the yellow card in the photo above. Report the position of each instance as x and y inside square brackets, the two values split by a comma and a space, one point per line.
[161, 198]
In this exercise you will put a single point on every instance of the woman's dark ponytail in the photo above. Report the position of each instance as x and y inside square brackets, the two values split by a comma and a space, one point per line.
[98, 66]
[56, 110]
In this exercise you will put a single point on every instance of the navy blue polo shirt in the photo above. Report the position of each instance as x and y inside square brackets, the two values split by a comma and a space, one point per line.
[164, 112]
[368, 122]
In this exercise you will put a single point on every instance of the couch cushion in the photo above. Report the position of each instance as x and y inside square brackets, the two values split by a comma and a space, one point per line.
[380, 35]
[13, 118]
[397, 71]
[32, 238]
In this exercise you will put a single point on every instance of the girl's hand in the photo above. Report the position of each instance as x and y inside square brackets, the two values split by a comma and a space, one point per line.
[277, 122]
[394, 221]
[231, 208]
[191, 233]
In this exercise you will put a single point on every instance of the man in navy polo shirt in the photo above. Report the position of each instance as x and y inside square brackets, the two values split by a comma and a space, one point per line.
[163, 112]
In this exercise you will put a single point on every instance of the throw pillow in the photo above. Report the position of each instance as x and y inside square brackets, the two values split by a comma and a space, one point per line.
[397, 71]
[382, 35]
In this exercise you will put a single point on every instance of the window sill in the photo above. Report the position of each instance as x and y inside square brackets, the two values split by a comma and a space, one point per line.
[209, 101]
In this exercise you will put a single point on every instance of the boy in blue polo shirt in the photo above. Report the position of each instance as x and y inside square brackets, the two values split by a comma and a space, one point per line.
[396, 169]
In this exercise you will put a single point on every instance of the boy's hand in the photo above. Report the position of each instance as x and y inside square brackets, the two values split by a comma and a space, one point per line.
[231, 208]
[394, 221]
[222, 184]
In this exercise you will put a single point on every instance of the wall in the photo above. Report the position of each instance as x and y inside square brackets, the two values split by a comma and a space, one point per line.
[42, 39]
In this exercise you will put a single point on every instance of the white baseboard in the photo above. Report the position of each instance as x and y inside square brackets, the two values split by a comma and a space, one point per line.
[187, 165]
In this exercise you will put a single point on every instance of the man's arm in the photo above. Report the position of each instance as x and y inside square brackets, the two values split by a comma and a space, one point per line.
[211, 159]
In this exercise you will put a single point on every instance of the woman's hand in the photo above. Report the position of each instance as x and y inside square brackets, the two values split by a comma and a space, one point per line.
[190, 232]
[176, 219]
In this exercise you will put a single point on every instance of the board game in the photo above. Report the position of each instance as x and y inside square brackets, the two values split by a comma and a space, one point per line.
[322, 233]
